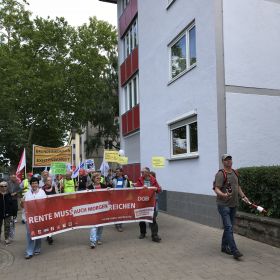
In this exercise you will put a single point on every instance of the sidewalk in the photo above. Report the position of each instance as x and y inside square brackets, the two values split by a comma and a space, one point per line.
[187, 251]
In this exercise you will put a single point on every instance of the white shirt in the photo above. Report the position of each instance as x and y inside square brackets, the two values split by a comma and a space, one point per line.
[30, 195]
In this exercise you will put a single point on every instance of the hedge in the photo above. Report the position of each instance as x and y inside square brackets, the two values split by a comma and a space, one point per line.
[262, 186]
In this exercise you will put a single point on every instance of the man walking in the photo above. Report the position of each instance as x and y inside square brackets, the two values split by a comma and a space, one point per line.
[227, 188]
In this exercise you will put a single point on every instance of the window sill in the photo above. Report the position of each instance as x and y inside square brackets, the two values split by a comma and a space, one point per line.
[181, 74]
[190, 156]
[170, 4]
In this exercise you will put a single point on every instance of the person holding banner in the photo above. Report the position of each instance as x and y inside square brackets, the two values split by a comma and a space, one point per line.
[49, 189]
[147, 180]
[33, 246]
[96, 232]
[120, 182]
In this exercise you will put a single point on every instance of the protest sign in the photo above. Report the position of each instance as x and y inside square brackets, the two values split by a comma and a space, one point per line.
[63, 212]
[58, 168]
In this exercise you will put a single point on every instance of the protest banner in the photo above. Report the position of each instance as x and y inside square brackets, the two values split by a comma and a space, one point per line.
[123, 160]
[89, 165]
[44, 156]
[63, 212]
[158, 162]
[111, 156]
[58, 168]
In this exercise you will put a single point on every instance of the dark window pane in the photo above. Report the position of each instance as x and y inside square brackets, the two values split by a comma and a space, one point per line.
[178, 57]
[179, 140]
[193, 137]
[192, 39]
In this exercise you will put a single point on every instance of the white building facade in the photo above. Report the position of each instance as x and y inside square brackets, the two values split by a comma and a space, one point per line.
[198, 80]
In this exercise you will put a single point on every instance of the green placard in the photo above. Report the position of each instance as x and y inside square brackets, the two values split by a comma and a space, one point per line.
[58, 168]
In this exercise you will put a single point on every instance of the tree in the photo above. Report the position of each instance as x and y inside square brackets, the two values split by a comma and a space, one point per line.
[53, 77]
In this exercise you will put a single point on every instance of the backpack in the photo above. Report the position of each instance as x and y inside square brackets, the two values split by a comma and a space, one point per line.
[225, 179]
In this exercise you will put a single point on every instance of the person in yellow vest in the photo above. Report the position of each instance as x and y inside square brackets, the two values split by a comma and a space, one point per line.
[25, 186]
[68, 184]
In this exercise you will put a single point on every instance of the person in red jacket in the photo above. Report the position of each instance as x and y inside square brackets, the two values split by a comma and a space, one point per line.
[147, 180]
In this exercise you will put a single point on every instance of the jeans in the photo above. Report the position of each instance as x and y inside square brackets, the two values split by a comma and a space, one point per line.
[153, 225]
[95, 234]
[228, 217]
[33, 246]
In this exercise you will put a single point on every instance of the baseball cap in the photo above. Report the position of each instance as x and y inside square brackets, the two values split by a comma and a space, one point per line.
[224, 156]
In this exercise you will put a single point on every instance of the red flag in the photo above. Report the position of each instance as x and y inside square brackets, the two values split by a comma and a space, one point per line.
[21, 165]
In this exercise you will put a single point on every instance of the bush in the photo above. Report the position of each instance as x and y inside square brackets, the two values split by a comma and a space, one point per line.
[262, 186]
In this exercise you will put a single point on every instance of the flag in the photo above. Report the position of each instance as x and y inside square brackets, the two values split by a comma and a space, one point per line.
[76, 171]
[21, 165]
[104, 168]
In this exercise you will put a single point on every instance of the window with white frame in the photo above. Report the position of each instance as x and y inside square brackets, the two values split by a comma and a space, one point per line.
[183, 52]
[183, 135]
[131, 94]
[130, 39]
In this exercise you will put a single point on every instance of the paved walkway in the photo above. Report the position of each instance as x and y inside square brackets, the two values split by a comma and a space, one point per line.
[187, 251]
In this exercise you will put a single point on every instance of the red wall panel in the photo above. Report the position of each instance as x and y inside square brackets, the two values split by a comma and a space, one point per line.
[127, 16]
[136, 117]
[129, 67]
[124, 124]
[129, 121]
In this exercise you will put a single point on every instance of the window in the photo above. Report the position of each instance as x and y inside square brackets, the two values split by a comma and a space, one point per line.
[124, 4]
[130, 39]
[183, 136]
[131, 95]
[183, 52]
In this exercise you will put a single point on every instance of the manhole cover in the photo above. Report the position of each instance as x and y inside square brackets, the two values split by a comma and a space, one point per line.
[6, 258]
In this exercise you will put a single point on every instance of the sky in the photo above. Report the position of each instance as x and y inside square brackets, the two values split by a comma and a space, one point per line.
[76, 12]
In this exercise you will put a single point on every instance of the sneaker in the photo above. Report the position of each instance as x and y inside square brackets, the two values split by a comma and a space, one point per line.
[99, 242]
[226, 250]
[37, 253]
[23, 222]
[120, 229]
[50, 240]
[7, 242]
[27, 257]
[237, 255]
[142, 236]
[156, 238]
[15, 220]
[92, 245]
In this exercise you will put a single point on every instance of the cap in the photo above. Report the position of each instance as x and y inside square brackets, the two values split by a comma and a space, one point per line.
[30, 174]
[36, 175]
[224, 156]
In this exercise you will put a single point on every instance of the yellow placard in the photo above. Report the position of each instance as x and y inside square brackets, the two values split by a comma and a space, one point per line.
[123, 160]
[158, 162]
[44, 156]
[111, 156]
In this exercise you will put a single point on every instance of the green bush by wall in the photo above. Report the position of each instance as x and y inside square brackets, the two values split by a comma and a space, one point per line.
[262, 186]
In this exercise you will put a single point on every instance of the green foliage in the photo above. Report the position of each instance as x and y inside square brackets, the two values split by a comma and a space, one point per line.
[53, 77]
[262, 186]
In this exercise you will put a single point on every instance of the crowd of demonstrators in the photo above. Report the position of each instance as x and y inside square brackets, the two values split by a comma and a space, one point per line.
[147, 180]
[33, 246]
[40, 186]
[6, 211]
[227, 188]
[96, 232]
